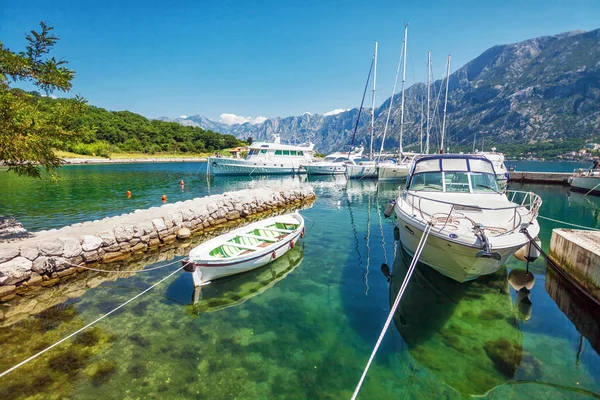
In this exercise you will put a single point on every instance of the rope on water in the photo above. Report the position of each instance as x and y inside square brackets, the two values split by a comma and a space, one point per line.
[413, 264]
[119, 271]
[568, 223]
[8, 371]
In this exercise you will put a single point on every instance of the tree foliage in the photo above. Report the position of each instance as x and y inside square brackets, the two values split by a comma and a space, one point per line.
[127, 131]
[29, 127]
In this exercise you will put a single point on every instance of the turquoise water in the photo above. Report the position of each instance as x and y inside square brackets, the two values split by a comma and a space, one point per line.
[301, 328]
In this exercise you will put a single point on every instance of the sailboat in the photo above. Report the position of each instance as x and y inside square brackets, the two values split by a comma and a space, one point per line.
[391, 171]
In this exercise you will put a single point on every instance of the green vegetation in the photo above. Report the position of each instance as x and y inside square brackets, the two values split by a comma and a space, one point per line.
[34, 126]
[124, 131]
[30, 128]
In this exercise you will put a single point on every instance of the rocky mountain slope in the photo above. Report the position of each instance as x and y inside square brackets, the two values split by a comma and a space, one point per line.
[545, 89]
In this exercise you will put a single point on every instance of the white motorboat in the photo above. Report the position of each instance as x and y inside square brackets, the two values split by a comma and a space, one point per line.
[395, 171]
[362, 169]
[334, 163]
[245, 248]
[475, 227]
[265, 158]
[586, 181]
[497, 160]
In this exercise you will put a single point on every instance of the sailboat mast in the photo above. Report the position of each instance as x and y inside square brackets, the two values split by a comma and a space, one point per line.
[445, 104]
[373, 103]
[421, 127]
[404, 43]
[428, 96]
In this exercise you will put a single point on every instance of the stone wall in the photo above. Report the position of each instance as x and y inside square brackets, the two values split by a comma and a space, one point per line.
[577, 253]
[44, 257]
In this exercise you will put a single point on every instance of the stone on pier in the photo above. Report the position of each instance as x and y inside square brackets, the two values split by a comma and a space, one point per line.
[52, 254]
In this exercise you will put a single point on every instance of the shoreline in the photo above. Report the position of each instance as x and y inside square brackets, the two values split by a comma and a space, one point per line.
[80, 161]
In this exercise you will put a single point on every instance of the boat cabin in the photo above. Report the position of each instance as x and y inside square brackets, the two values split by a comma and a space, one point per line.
[452, 173]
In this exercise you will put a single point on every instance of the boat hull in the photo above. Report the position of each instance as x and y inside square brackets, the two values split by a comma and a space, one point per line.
[361, 171]
[586, 184]
[393, 172]
[216, 270]
[227, 166]
[325, 169]
[454, 260]
[206, 266]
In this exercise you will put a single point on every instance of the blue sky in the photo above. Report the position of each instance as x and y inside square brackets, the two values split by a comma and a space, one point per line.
[270, 58]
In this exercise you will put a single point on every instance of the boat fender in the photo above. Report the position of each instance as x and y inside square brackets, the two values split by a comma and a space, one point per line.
[385, 270]
[291, 244]
[389, 208]
[533, 252]
[274, 255]
[302, 234]
[397, 233]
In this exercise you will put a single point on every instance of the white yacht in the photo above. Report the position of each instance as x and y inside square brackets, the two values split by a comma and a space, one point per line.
[497, 160]
[265, 158]
[475, 228]
[334, 163]
[395, 171]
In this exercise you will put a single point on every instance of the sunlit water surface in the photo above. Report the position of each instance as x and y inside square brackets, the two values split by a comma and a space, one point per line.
[302, 327]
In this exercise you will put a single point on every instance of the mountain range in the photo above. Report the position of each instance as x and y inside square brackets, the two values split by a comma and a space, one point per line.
[542, 90]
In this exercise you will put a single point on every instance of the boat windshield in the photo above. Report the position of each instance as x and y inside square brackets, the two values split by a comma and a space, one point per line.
[329, 159]
[457, 182]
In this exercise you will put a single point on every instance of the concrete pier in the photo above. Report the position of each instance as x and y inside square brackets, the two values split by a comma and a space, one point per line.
[558, 178]
[43, 258]
[577, 253]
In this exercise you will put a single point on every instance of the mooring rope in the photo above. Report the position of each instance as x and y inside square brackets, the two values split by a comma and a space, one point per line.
[568, 223]
[119, 271]
[8, 371]
[413, 264]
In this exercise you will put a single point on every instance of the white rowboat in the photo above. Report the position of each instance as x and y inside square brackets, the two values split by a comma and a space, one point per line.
[244, 249]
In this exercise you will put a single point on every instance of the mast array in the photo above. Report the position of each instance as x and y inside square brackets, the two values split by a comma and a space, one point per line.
[445, 104]
[403, 82]
[428, 96]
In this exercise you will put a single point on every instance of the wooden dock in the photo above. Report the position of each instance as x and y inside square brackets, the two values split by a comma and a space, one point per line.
[557, 178]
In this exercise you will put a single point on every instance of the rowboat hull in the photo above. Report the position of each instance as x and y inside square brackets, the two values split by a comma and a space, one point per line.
[206, 268]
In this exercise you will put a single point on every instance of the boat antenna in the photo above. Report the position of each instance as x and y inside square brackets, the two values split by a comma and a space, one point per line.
[445, 104]
[373, 102]
[361, 105]
[428, 96]
[402, 56]
[421, 126]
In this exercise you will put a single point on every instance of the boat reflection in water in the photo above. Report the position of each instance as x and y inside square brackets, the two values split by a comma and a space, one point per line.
[233, 290]
[466, 334]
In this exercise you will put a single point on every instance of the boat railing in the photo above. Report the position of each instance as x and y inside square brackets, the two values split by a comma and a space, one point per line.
[586, 172]
[520, 200]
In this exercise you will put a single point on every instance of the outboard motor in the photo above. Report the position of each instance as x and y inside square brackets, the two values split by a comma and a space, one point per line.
[389, 209]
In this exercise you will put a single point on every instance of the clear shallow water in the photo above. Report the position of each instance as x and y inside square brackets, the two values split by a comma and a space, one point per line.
[304, 326]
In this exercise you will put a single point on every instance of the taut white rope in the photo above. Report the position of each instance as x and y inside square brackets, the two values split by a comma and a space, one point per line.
[8, 371]
[413, 264]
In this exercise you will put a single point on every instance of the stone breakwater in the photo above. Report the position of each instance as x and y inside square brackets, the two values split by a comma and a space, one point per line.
[44, 257]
